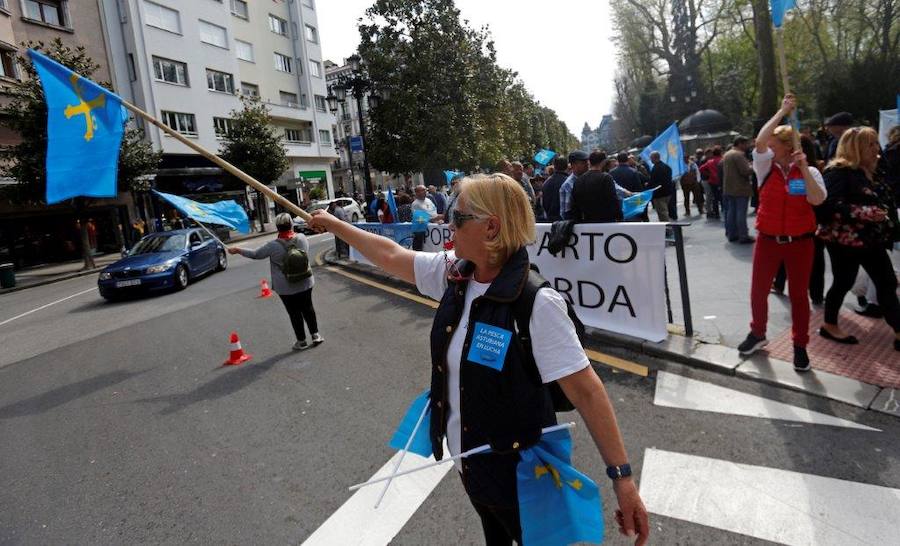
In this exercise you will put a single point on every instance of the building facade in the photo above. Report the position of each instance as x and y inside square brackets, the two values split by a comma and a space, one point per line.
[600, 138]
[188, 63]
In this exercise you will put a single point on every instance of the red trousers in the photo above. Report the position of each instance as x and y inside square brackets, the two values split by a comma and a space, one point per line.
[768, 256]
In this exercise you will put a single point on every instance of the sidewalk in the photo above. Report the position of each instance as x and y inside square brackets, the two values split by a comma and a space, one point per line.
[866, 375]
[46, 274]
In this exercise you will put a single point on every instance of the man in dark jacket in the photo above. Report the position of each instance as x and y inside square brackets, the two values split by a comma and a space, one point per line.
[626, 176]
[550, 189]
[594, 198]
[661, 176]
[836, 126]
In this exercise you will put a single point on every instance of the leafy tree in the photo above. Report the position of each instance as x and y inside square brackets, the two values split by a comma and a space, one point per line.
[26, 114]
[253, 146]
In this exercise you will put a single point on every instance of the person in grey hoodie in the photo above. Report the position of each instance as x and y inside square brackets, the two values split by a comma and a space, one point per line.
[296, 296]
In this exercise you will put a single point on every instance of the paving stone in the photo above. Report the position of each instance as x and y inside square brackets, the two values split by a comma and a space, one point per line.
[887, 401]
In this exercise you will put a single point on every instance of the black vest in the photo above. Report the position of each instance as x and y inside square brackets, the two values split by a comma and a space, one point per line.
[506, 409]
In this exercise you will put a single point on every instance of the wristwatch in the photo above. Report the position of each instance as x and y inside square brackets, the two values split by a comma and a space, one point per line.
[618, 472]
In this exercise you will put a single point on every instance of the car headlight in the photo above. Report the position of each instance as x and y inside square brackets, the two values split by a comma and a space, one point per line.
[160, 268]
[105, 275]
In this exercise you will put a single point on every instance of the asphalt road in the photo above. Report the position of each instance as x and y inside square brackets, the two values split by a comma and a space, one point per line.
[118, 423]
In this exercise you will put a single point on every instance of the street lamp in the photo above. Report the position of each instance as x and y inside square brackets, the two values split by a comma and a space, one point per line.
[332, 100]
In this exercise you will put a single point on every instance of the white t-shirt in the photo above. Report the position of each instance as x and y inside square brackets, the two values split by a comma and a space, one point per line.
[762, 164]
[554, 343]
[426, 205]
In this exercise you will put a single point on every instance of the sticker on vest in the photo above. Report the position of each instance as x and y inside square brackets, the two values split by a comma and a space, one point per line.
[797, 186]
[489, 346]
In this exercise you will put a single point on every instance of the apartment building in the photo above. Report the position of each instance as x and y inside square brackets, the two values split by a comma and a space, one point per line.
[188, 62]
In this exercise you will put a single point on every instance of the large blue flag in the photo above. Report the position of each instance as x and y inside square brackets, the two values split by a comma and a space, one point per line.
[450, 175]
[557, 504]
[544, 156]
[392, 204]
[85, 123]
[226, 213]
[636, 204]
[668, 144]
[779, 7]
[421, 444]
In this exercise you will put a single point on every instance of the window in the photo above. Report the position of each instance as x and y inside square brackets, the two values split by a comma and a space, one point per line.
[315, 68]
[132, 69]
[288, 99]
[297, 135]
[170, 71]
[219, 81]
[181, 122]
[311, 34]
[46, 11]
[162, 17]
[282, 63]
[325, 137]
[277, 25]
[249, 89]
[8, 67]
[321, 105]
[244, 50]
[213, 35]
[239, 9]
[223, 126]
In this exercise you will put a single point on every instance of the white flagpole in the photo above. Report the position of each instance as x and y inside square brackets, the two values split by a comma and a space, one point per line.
[403, 452]
[473, 451]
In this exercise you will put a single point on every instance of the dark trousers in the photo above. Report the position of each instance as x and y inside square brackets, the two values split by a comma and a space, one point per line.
[419, 240]
[713, 208]
[300, 308]
[673, 205]
[845, 263]
[816, 278]
[500, 524]
[341, 248]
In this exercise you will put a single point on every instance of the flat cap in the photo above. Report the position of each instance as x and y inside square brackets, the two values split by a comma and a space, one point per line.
[578, 155]
[841, 118]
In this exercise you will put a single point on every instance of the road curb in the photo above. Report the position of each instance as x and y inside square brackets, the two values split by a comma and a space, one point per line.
[76, 274]
[720, 359]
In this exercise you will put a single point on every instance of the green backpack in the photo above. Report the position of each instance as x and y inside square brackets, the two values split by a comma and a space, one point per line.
[295, 264]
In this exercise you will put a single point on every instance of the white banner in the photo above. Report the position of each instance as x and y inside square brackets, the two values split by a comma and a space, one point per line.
[612, 274]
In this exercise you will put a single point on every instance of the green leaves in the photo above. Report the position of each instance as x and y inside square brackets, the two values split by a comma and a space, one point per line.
[252, 144]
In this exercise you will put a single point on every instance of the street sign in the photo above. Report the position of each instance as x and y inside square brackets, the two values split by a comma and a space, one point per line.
[356, 144]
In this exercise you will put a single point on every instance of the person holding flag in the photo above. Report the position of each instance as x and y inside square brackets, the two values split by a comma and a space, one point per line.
[492, 385]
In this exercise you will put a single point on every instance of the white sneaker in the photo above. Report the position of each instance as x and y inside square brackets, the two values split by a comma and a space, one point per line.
[317, 339]
[300, 345]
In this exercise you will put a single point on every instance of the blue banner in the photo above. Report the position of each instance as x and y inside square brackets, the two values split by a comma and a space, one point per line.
[636, 204]
[392, 204]
[450, 175]
[668, 144]
[85, 123]
[557, 504]
[779, 7]
[421, 444]
[544, 156]
[226, 213]
[356, 144]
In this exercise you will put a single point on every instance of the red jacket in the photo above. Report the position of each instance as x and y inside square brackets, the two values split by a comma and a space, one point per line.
[710, 170]
[781, 213]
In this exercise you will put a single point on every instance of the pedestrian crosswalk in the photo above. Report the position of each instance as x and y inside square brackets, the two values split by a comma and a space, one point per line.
[767, 503]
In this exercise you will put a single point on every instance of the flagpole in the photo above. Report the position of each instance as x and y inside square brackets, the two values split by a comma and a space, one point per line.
[241, 175]
[211, 234]
[779, 35]
[473, 451]
[403, 453]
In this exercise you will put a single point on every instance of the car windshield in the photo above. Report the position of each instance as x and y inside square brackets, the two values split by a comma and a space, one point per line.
[158, 243]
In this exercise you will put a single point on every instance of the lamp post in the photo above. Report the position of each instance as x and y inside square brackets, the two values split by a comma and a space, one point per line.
[358, 84]
[333, 106]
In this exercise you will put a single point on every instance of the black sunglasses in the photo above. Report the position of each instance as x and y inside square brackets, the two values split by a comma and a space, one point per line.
[458, 218]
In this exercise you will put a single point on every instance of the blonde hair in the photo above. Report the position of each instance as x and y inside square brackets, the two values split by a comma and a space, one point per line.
[894, 134]
[784, 133]
[852, 145]
[501, 196]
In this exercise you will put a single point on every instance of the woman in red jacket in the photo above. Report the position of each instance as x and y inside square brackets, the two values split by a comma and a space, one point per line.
[786, 225]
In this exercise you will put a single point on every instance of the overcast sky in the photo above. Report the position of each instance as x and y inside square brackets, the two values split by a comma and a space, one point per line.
[561, 49]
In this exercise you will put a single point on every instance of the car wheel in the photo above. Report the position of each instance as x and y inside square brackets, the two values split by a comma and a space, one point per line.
[222, 263]
[181, 277]
[355, 218]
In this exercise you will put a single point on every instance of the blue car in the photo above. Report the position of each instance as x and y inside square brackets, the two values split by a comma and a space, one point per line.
[169, 259]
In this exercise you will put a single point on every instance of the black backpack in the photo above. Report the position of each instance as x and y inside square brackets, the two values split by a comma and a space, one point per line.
[522, 314]
[295, 264]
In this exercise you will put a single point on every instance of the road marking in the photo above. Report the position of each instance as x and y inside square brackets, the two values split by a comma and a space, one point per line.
[602, 358]
[357, 522]
[26, 313]
[675, 391]
[768, 503]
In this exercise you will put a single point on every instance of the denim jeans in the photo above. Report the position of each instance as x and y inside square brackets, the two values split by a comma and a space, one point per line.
[735, 216]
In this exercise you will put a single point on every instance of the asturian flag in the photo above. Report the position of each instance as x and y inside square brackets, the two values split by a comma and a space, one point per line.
[779, 7]
[85, 123]
[225, 213]
[668, 144]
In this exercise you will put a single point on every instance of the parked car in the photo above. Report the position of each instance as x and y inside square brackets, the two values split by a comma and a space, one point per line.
[168, 259]
[353, 210]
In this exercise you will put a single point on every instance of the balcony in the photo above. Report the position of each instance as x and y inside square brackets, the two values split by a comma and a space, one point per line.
[288, 110]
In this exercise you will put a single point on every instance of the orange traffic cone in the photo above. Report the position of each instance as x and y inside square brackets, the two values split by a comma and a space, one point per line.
[264, 290]
[237, 356]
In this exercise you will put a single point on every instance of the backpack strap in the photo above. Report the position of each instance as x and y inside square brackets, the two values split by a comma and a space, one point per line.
[522, 309]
